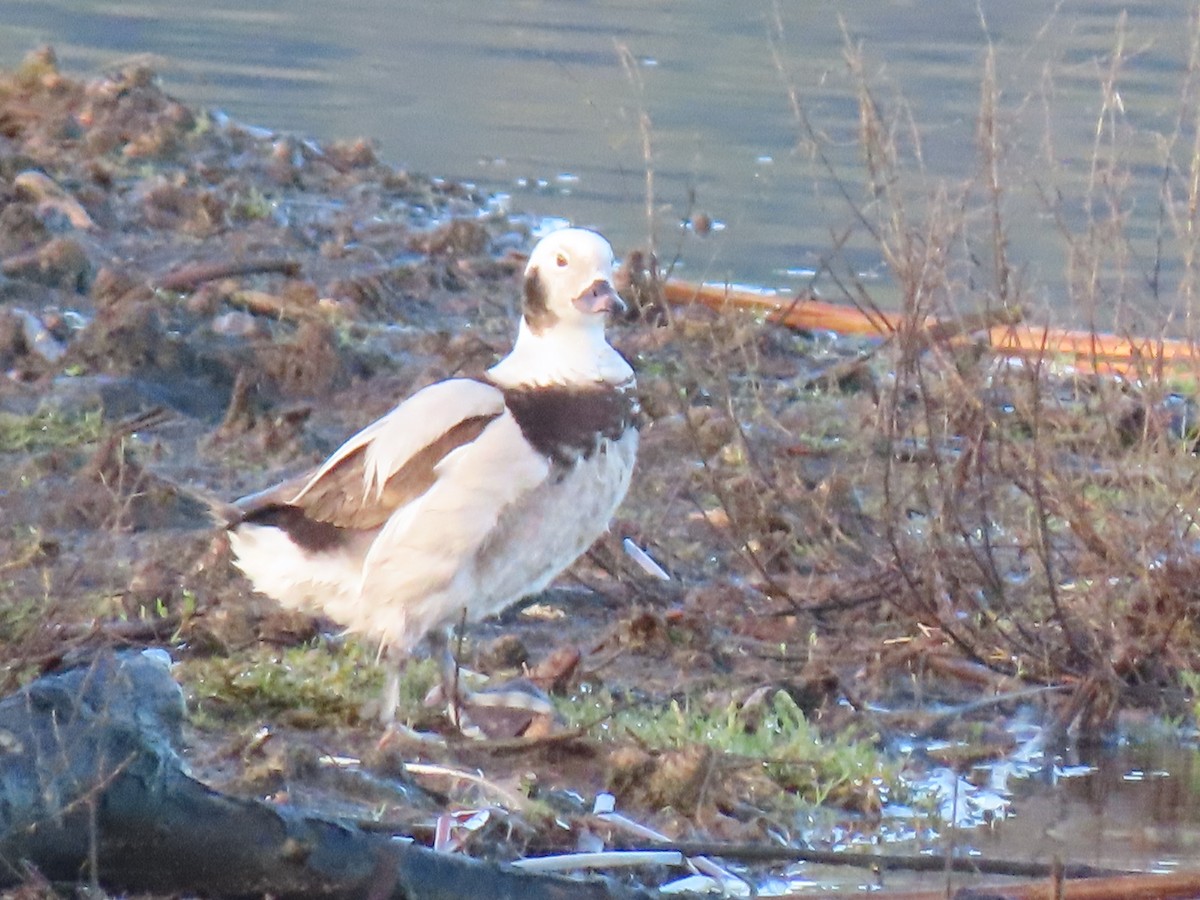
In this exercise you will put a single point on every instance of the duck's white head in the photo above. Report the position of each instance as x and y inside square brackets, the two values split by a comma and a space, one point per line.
[568, 281]
[567, 294]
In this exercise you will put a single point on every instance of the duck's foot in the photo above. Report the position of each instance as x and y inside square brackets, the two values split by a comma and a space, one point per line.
[512, 709]
[499, 711]
[403, 734]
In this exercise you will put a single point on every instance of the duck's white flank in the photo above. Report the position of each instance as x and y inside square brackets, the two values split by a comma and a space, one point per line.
[471, 493]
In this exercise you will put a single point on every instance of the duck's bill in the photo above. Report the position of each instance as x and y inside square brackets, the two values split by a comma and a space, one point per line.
[601, 297]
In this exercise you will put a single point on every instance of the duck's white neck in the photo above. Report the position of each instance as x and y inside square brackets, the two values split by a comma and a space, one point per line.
[562, 354]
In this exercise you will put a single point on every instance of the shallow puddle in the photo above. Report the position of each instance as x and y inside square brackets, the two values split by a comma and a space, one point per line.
[1130, 807]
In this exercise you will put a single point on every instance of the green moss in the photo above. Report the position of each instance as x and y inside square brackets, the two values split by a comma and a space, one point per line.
[250, 205]
[316, 685]
[775, 739]
[47, 429]
[19, 615]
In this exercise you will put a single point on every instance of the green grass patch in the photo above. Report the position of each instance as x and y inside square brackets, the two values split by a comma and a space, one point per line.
[47, 429]
[251, 205]
[19, 615]
[774, 741]
[316, 685]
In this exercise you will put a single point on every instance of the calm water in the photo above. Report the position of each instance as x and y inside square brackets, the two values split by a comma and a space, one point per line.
[530, 98]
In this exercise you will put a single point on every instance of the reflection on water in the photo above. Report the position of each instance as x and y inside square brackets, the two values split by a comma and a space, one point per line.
[1131, 804]
[1135, 807]
[529, 98]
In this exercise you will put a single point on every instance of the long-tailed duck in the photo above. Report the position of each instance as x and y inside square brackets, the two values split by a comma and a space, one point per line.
[472, 493]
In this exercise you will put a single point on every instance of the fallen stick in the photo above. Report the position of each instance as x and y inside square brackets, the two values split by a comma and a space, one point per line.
[50, 195]
[190, 276]
[915, 862]
[1173, 886]
[1090, 350]
[1117, 887]
[262, 303]
[1081, 882]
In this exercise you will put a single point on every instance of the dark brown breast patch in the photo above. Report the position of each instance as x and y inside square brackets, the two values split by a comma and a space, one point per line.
[567, 423]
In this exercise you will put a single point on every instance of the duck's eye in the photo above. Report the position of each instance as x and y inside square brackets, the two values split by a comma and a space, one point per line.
[561, 259]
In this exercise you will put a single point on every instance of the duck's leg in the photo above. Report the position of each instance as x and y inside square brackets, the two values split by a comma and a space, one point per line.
[393, 662]
[453, 692]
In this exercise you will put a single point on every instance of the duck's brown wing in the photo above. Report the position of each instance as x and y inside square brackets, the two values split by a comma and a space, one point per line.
[386, 465]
